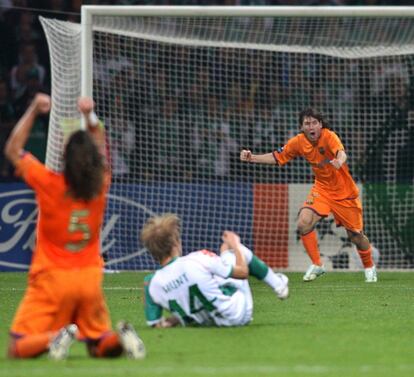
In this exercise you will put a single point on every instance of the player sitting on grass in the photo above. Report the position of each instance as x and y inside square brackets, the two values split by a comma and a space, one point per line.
[64, 296]
[201, 288]
[334, 190]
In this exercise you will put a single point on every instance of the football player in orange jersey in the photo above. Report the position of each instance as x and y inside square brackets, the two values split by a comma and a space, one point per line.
[334, 191]
[64, 298]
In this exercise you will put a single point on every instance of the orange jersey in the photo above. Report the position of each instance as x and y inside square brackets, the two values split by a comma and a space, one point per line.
[336, 184]
[68, 230]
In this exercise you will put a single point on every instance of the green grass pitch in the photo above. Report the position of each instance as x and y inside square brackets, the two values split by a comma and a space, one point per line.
[335, 326]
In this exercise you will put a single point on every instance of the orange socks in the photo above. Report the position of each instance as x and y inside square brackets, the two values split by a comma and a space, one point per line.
[30, 345]
[109, 346]
[310, 242]
[366, 257]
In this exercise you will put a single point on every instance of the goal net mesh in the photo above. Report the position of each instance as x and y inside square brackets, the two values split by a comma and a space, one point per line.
[180, 96]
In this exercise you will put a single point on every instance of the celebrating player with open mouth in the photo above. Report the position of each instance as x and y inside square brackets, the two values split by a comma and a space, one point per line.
[334, 190]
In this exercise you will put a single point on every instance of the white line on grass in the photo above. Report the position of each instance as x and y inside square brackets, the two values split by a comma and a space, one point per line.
[256, 288]
[249, 370]
[123, 288]
[364, 286]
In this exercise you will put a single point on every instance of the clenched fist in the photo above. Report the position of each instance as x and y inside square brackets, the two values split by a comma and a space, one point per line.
[42, 103]
[245, 155]
[85, 105]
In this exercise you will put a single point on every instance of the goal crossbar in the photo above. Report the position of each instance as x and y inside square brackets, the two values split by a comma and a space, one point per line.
[88, 11]
[248, 11]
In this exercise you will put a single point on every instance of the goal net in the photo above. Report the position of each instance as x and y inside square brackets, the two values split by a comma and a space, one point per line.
[180, 95]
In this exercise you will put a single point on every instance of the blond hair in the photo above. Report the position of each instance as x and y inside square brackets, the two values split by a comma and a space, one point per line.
[160, 234]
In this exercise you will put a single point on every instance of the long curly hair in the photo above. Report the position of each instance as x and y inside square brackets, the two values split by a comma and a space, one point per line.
[83, 166]
[311, 112]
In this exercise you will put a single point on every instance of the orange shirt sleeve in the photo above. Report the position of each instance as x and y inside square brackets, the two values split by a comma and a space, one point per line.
[32, 171]
[288, 152]
[334, 143]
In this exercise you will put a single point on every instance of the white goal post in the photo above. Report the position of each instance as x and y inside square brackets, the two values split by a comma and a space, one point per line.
[88, 11]
[182, 89]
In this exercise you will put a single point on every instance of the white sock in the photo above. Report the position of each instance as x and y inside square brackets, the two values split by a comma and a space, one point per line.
[273, 280]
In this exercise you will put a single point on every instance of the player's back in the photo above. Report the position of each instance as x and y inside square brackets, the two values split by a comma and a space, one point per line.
[194, 288]
[68, 229]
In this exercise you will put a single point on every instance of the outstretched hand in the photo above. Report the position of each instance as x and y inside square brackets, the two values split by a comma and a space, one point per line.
[42, 103]
[85, 105]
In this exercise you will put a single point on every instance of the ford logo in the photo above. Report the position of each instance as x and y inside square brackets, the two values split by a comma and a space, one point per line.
[119, 235]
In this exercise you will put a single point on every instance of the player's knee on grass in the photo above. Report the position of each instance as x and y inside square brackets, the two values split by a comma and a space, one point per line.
[108, 346]
[11, 349]
[29, 346]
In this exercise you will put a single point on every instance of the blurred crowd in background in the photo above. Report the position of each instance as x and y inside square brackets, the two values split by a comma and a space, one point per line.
[262, 101]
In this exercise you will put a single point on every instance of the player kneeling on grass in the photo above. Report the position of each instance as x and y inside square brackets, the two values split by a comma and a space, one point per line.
[334, 190]
[64, 298]
[201, 288]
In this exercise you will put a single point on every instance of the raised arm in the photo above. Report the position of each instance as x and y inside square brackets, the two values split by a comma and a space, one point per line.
[240, 269]
[247, 156]
[86, 106]
[17, 140]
